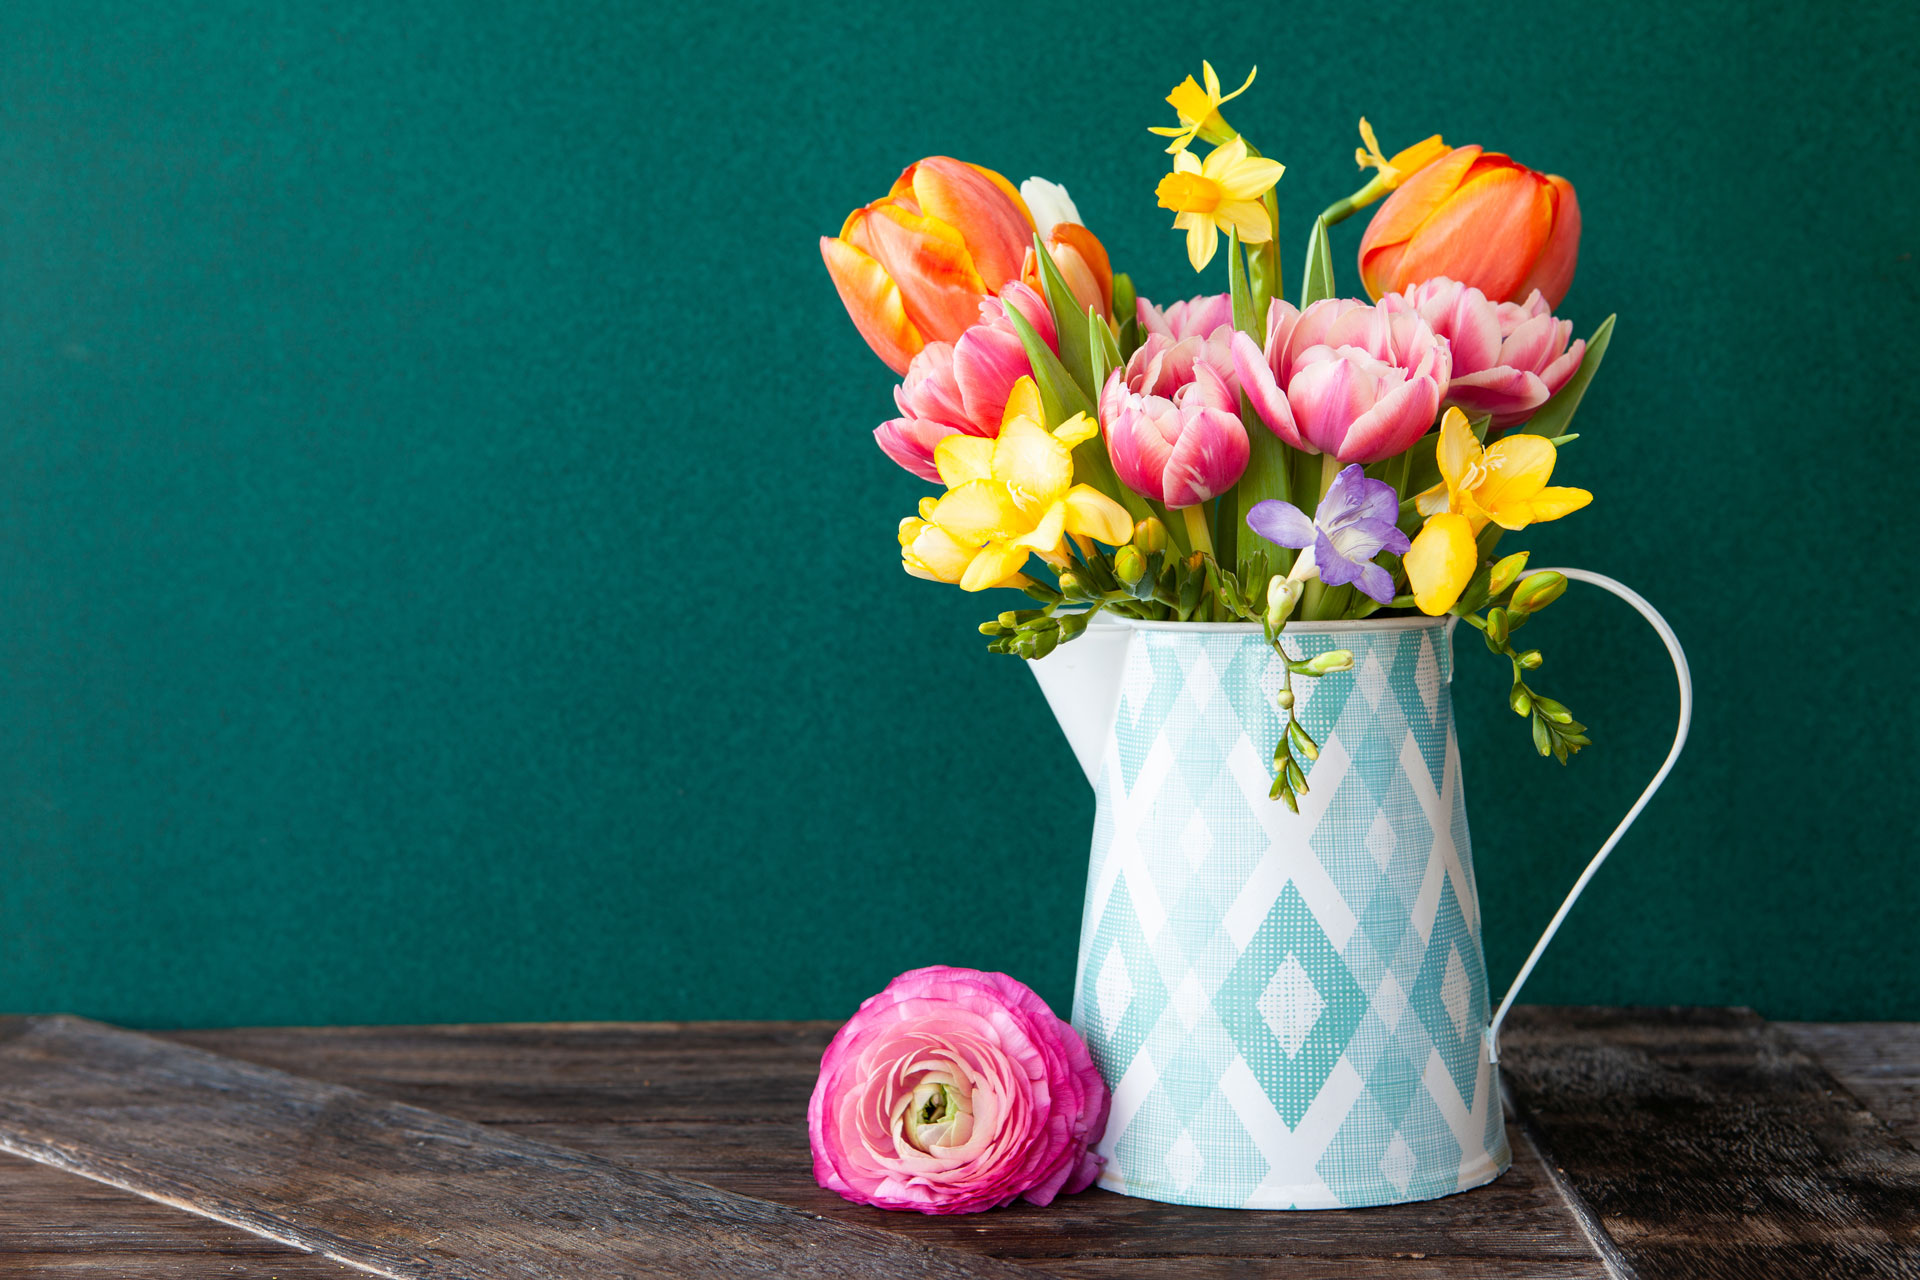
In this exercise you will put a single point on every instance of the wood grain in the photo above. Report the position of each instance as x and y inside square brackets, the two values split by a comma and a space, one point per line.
[1879, 1062]
[1710, 1145]
[397, 1190]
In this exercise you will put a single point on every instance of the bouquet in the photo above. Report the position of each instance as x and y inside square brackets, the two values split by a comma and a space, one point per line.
[1236, 456]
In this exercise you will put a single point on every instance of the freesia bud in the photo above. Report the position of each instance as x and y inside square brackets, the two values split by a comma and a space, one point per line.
[1496, 626]
[1150, 535]
[1129, 565]
[1538, 590]
[1520, 700]
[1530, 660]
[1282, 595]
[1505, 572]
[1284, 699]
[1072, 587]
[1330, 662]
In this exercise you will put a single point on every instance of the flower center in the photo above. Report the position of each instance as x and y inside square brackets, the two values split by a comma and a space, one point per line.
[1189, 193]
[937, 1116]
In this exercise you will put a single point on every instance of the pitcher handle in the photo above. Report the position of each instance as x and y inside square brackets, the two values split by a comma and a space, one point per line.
[1679, 656]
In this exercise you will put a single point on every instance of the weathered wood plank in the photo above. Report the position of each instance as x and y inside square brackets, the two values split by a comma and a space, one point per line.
[1878, 1062]
[1711, 1146]
[725, 1103]
[393, 1189]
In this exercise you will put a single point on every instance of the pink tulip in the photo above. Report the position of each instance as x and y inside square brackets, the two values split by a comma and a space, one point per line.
[1360, 382]
[1507, 358]
[963, 386]
[1172, 422]
[954, 1091]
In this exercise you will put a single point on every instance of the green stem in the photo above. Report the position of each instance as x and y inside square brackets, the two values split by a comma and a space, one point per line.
[1330, 468]
[1196, 518]
[1345, 208]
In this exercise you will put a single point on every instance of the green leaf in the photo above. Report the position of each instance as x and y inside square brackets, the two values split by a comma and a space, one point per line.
[1263, 266]
[1239, 289]
[1125, 301]
[1106, 352]
[1318, 283]
[1075, 352]
[1060, 395]
[1555, 415]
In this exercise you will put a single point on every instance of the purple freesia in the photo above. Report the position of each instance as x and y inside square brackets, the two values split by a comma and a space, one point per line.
[1356, 521]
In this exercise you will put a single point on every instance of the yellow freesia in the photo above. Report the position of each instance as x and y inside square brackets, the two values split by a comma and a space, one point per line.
[1504, 485]
[1006, 499]
[1220, 194]
[1199, 109]
[1405, 163]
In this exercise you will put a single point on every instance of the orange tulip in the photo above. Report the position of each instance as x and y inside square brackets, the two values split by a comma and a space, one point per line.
[1083, 264]
[913, 267]
[1479, 218]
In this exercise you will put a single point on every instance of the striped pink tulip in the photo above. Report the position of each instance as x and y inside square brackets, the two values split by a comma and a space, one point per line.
[1172, 423]
[963, 386]
[1507, 357]
[1357, 381]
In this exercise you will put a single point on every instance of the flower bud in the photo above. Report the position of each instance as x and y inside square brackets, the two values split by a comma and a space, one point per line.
[1150, 536]
[1071, 587]
[1496, 627]
[1129, 564]
[1282, 595]
[1333, 660]
[1284, 699]
[1302, 745]
[1530, 660]
[1505, 572]
[1520, 700]
[1538, 590]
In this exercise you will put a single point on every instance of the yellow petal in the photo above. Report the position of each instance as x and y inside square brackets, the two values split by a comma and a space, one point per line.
[1515, 469]
[1428, 502]
[992, 565]
[910, 529]
[1049, 534]
[1092, 514]
[926, 507]
[1248, 217]
[1033, 467]
[1251, 179]
[960, 458]
[1457, 453]
[1225, 157]
[1186, 162]
[1076, 430]
[1441, 562]
[1023, 402]
[1192, 102]
[1203, 240]
[936, 555]
[979, 511]
[1553, 502]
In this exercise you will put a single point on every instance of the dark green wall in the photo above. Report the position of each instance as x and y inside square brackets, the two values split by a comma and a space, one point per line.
[445, 572]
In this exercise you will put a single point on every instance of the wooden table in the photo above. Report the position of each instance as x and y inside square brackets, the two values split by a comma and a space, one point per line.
[1647, 1142]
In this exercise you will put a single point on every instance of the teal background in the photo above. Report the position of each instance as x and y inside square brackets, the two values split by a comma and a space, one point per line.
[445, 573]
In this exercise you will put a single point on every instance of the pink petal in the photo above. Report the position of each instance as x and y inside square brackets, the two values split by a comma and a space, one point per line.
[1401, 416]
[1210, 455]
[1262, 392]
[911, 442]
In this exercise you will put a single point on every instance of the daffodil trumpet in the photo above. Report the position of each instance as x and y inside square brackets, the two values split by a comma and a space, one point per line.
[1237, 455]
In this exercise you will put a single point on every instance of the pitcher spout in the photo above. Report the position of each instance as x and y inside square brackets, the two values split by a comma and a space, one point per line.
[1081, 681]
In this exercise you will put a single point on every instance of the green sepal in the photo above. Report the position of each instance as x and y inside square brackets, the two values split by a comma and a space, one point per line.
[1076, 353]
[1318, 280]
[1557, 413]
[1238, 288]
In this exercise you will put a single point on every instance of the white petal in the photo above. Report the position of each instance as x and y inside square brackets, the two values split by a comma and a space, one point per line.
[1049, 204]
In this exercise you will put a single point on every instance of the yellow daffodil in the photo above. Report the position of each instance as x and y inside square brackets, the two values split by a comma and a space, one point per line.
[1008, 498]
[1504, 485]
[1221, 193]
[1404, 164]
[1199, 109]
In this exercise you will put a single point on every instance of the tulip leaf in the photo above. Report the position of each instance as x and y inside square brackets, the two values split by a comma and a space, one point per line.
[1263, 266]
[1106, 352]
[1238, 288]
[1318, 281]
[1075, 353]
[1125, 301]
[1557, 412]
[1060, 396]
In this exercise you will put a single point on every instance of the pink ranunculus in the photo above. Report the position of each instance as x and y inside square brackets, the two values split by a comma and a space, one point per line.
[1508, 357]
[954, 1091]
[1360, 382]
[1172, 423]
[963, 386]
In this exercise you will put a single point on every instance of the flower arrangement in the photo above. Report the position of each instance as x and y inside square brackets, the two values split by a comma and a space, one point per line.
[1236, 456]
